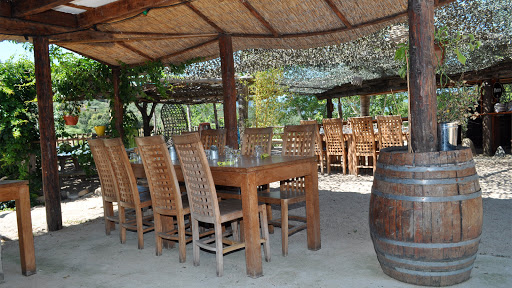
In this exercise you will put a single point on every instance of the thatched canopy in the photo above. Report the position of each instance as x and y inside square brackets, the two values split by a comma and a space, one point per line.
[173, 31]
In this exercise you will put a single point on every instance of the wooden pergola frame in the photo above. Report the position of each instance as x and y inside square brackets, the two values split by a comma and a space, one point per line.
[35, 19]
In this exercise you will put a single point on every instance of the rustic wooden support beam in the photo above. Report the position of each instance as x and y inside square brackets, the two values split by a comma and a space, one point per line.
[364, 101]
[51, 186]
[204, 17]
[487, 95]
[215, 116]
[330, 108]
[136, 51]
[260, 17]
[53, 17]
[422, 97]
[14, 26]
[229, 88]
[188, 49]
[79, 6]
[340, 109]
[338, 13]
[23, 8]
[119, 10]
[118, 104]
[89, 36]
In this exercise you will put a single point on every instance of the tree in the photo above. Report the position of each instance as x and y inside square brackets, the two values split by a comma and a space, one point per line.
[266, 91]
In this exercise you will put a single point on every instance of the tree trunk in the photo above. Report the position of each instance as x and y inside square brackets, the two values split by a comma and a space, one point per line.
[423, 99]
[330, 108]
[51, 187]
[487, 119]
[146, 118]
[364, 101]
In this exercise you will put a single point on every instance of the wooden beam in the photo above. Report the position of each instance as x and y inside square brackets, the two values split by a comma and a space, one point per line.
[338, 13]
[260, 18]
[23, 8]
[364, 101]
[91, 36]
[204, 17]
[79, 7]
[330, 108]
[188, 49]
[487, 143]
[51, 186]
[5, 9]
[53, 17]
[119, 10]
[422, 85]
[118, 104]
[12, 26]
[229, 88]
[136, 51]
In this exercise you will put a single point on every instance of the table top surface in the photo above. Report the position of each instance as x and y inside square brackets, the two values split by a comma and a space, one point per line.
[12, 183]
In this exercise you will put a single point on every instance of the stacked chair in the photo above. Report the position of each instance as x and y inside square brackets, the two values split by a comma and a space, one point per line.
[335, 143]
[298, 140]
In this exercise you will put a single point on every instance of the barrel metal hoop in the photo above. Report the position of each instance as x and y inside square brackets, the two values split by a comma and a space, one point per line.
[427, 245]
[433, 274]
[409, 181]
[429, 263]
[427, 199]
[441, 167]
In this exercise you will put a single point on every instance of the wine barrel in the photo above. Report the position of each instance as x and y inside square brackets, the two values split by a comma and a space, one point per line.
[426, 215]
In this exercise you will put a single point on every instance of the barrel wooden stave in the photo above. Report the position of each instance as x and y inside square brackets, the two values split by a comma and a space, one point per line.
[418, 242]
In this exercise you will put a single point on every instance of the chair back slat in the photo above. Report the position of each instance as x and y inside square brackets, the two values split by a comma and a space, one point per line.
[318, 137]
[105, 172]
[298, 140]
[215, 137]
[201, 191]
[333, 129]
[126, 183]
[390, 131]
[256, 136]
[160, 173]
[363, 135]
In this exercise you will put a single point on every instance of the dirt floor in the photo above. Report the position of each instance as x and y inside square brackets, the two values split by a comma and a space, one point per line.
[81, 255]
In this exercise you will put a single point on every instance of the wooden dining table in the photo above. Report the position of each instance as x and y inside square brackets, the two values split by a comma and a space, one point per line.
[250, 172]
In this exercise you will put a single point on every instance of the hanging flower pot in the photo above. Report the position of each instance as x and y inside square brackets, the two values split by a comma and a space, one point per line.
[100, 130]
[70, 119]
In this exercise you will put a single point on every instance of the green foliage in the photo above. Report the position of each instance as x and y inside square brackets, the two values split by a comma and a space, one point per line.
[303, 107]
[204, 113]
[266, 92]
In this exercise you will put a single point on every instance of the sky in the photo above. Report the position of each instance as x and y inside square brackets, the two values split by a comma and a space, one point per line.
[8, 49]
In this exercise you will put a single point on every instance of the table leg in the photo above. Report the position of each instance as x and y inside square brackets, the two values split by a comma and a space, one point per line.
[251, 227]
[26, 238]
[313, 209]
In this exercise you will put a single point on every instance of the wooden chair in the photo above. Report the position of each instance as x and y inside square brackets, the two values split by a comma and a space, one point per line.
[174, 120]
[390, 131]
[335, 143]
[364, 142]
[215, 137]
[129, 196]
[168, 202]
[319, 149]
[204, 204]
[109, 190]
[298, 140]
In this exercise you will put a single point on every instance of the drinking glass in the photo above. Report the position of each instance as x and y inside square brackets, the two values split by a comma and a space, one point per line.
[258, 151]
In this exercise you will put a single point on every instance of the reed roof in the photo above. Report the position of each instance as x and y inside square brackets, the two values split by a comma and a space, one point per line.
[174, 31]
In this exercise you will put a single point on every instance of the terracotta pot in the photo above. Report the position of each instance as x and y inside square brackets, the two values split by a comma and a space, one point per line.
[70, 120]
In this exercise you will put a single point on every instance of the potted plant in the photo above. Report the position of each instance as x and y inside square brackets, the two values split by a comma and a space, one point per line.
[70, 111]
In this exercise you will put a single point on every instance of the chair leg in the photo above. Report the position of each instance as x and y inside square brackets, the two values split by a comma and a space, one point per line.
[328, 164]
[344, 162]
[181, 238]
[284, 227]
[321, 158]
[219, 253]
[122, 227]
[158, 229]
[269, 217]
[264, 231]
[195, 238]
[140, 228]
[108, 211]
[235, 231]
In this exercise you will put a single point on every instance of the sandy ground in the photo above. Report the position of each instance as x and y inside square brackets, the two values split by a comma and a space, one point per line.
[81, 255]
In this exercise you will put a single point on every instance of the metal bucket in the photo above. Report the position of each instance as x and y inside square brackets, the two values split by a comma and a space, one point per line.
[447, 135]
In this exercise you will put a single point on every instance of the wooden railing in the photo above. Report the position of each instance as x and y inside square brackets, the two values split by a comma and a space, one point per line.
[74, 140]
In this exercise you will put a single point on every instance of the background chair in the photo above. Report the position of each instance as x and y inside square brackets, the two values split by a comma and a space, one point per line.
[364, 142]
[390, 131]
[215, 137]
[319, 149]
[166, 197]
[109, 190]
[205, 207]
[129, 196]
[298, 140]
[335, 143]
[174, 120]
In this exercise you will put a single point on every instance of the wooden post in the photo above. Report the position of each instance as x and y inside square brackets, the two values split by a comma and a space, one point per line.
[51, 187]
[229, 89]
[215, 116]
[330, 108]
[364, 101]
[423, 100]
[188, 119]
[118, 104]
[487, 119]
[340, 109]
